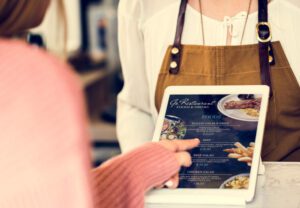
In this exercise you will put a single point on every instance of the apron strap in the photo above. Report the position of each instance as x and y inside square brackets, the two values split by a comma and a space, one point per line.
[176, 49]
[264, 36]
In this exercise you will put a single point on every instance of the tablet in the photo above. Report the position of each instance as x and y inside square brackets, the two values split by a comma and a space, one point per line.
[230, 121]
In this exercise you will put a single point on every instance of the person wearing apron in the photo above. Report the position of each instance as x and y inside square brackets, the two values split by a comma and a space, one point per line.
[262, 63]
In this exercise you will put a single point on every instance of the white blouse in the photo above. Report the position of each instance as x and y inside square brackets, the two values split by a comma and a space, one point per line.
[147, 28]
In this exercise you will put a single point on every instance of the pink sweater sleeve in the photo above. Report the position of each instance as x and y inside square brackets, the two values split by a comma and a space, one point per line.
[123, 181]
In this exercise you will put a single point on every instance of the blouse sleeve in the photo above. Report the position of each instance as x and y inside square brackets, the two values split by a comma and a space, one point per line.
[295, 58]
[289, 15]
[134, 122]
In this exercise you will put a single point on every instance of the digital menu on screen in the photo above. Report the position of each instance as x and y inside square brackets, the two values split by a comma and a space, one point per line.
[226, 126]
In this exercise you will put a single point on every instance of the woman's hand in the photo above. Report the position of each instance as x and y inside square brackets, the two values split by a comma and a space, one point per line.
[179, 147]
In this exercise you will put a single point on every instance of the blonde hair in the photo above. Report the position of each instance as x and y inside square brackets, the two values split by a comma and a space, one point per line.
[16, 16]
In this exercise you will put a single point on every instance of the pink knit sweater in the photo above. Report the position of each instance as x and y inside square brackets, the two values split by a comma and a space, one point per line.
[44, 152]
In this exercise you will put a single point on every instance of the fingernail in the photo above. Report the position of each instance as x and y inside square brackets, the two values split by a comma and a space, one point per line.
[169, 184]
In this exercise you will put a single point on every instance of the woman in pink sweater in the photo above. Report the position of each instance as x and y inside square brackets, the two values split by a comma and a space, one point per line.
[44, 152]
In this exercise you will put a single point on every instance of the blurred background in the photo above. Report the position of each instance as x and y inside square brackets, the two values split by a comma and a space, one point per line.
[86, 36]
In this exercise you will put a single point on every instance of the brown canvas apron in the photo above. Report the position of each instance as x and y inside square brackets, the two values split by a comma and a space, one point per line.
[240, 65]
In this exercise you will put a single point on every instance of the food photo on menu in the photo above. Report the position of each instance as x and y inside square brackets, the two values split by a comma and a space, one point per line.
[226, 126]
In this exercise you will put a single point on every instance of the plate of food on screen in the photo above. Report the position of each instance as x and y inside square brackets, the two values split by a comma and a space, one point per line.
[241, 153]
[173, 128]
[240, 181]
[244, 107]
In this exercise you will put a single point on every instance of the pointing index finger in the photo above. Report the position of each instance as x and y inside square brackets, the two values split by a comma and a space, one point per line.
[180, 145]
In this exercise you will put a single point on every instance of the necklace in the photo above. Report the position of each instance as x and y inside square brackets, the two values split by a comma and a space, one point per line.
[245, 23]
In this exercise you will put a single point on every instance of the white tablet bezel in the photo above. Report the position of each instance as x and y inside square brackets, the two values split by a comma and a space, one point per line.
[204, 195]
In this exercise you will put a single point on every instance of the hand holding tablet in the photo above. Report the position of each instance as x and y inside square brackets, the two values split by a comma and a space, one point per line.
[184, 159]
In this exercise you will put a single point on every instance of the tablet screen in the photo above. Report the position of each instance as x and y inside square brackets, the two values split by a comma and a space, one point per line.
[226, 126]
